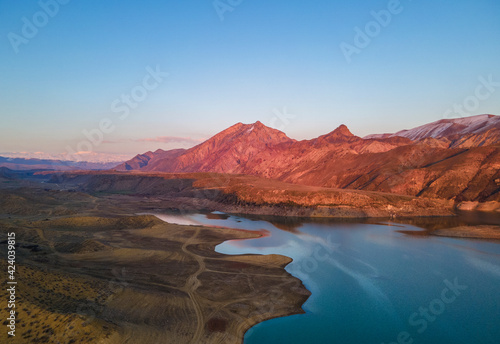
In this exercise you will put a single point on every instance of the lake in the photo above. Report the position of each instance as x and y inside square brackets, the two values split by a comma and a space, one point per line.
[370, 283]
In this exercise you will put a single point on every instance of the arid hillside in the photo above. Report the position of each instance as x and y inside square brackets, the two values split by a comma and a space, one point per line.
[91, 272]
[449, 159]
[251, 195]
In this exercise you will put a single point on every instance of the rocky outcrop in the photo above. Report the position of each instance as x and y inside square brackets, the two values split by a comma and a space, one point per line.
[253, 195]
[449, 159]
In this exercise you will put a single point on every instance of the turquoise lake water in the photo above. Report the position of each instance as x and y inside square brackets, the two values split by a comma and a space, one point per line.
[371, 283]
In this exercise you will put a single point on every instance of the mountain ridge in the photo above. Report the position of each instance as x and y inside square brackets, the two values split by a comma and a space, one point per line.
[453, 164]
[52, 164]
[448, 127]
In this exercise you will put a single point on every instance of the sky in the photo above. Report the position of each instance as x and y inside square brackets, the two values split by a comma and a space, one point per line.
[97, 80]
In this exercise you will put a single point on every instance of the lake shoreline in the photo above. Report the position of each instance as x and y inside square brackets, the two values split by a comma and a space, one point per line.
[147, 279]
[470, 232]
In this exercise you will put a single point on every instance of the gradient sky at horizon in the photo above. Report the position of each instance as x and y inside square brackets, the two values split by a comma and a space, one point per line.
[265, 56]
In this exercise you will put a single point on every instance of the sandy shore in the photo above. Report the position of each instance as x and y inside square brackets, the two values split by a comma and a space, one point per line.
[477, 232]
[88, 273]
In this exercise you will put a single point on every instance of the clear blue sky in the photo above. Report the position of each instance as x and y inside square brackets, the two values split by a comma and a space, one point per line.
[264, 56]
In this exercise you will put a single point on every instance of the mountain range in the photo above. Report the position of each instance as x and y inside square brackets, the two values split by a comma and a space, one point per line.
[52, 164]
[461, 132]
[451, 159]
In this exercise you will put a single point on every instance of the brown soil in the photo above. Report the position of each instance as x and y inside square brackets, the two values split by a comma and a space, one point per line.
[252, 195]
[87, 273]
[477, 232]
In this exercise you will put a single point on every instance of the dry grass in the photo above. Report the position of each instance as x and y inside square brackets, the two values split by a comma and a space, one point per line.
[103, 277]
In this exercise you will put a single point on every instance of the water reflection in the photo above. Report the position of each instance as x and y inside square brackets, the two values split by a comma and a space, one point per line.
[216, 216]
[368, 277]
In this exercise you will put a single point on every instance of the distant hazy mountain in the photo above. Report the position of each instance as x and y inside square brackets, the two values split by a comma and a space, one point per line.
[457, 159]
[143, 160]
[48, 164]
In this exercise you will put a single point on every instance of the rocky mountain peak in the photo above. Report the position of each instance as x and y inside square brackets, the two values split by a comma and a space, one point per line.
[341, 134]
[342, 130]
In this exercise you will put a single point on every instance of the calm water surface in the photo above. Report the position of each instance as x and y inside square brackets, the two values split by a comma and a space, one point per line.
[373, 284]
